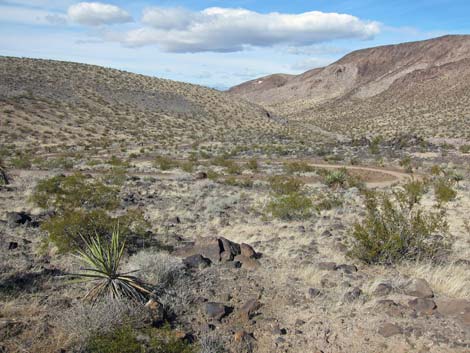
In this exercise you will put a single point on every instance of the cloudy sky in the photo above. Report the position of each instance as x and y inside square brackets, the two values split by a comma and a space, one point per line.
[218, 43]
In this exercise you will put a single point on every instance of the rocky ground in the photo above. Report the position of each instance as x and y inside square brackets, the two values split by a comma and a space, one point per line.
[249, 282]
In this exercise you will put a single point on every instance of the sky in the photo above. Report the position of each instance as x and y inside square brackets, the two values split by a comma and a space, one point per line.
[218, 43]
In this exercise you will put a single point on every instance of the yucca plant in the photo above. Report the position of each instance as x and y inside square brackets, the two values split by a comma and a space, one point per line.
[103, 262]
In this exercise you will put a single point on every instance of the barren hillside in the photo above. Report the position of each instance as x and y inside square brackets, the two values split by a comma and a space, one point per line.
[420, 86]
[50, 103]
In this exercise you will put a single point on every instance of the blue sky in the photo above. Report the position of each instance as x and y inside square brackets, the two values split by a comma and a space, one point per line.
[218, 43]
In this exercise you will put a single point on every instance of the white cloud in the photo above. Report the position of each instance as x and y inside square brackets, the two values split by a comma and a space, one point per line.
[96, 14]
[228, 30]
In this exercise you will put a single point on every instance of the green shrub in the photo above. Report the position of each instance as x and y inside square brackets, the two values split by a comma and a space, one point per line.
[298, 167]
[412, 193]
[233, 168]
[70, 192]
[165, 163]
[406, 163]
[67, 229]
[374, 146]
[328, 202]
[117, 162]
[121, 340]
[253, 165]
[290, 207]
[124, 340]
[392, 231]
[243, 183]
[3, 174]
[335, 178]
[22, 161]
[117, 176]
[465, 149]
[444, 191]
[188, 167]
[283, 185]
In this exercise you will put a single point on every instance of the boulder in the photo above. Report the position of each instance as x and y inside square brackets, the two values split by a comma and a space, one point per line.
[215, 310]
[249, 308]
[419, 288]
[382, 289]
[353, 294]
[196, 261]
[423, 305]
[16, 219]
[248, 263]
[200, 175]
[247, 251]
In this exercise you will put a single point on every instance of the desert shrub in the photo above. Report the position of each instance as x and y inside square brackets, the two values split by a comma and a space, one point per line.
[233, 168]
[290, 206]
[117, 176]
[210, 342]
[406, 164]
[374, 146]
[165, 163]
[21, 161]
[335, 178]
[125, 340]
[84, 320]
[156, 268]
[392, 231]
[253, 165]
[121, 340]
[412, 193]
[283, 185]
[70, 192]
[328, 202]
[212, 175]
[117, 162]
[444, 191]
[242, 183]
[188, 166]
[3, 174]
[436, 170]
[67, 229]
[298, 167]
[465, 149]
[102, 259]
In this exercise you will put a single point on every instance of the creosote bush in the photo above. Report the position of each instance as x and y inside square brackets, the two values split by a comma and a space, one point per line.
[283, 185]
[290, 207]
[70, 192]
[396, 228]
[444, 191]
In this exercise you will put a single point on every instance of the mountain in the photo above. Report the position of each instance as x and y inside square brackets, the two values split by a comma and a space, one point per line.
[421, 87]
[46, 103]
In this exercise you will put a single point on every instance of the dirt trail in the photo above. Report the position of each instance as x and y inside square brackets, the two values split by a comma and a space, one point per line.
[374, 177]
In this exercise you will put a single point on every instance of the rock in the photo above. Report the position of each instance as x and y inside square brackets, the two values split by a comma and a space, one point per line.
[215, 310]
[156, 310]
[240, 336]
[423, 305]
[16, 219]
[229, 249]
[382, 289]
[249, 308]
[353, 294]
[200, 176]
[419, 288]
[327, 266]
[327, 283]
[389, 330]
[391, 308]
[12, 245]
[314, 292]
[458, 308]
[347, 268]
[196, 261]
[248, 263]
[247, 251]
[299, 322]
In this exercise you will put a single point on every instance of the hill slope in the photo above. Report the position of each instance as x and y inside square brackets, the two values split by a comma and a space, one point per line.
[51, 103]
[420, 86]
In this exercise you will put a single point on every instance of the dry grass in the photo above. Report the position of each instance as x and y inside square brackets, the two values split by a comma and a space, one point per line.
[452, 280]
